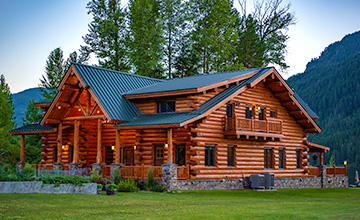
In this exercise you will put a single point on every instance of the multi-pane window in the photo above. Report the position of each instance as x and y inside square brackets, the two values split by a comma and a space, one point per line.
[166, 106]
[180, 155]
[248, 112]
[281, 158]
[298, 163]
[272, 114]
[229, 110]
[230, 155]
[267, 158]
[261, 114]
[209, 156]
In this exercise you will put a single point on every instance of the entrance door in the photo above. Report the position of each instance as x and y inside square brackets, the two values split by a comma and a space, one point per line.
[158, 155]
[109, 155]
[180, 155]
[128, 156]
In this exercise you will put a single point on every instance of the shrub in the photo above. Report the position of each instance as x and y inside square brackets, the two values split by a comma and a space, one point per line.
[100, 186]
[159, 188]
[27, 173]
[63, 179]
[128, 185]
[150, 178]
[111, 187]
[117, 176]
[95, 176]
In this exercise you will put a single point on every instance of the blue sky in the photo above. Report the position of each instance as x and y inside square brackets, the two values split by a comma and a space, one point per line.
[31, 29]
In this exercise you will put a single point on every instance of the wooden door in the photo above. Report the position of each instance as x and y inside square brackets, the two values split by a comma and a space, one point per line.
[128, 156]
[109, 155]
[158, 155]
[180, 155]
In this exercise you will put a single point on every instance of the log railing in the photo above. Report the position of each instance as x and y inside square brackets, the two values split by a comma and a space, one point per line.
[106, 171]
[245, 124]
[183, 172]
[330, 171]
[140, 172]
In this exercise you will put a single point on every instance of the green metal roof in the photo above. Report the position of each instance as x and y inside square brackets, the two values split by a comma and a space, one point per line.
[110, 85]
[192, 82]
[44, 101]
[32, 128]
[305, 106]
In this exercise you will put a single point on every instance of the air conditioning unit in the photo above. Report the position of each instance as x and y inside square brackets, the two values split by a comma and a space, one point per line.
[257, 181]
[269, 180]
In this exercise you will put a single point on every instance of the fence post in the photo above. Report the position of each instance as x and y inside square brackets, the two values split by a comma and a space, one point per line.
[334, 167]
[188, 172]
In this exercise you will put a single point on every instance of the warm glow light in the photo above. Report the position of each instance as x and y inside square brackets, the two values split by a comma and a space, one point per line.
[63, 147]
[250, 108]
[113, 147]
[79, 109]
[258, 108]
[59, 107]
[345, 163]
[134, 147]
[98, 111]
[166, 145]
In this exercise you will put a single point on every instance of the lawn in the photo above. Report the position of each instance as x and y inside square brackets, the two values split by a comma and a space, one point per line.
[239, 204]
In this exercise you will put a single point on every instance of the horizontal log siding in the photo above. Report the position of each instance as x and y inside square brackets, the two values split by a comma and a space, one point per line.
[249, 154]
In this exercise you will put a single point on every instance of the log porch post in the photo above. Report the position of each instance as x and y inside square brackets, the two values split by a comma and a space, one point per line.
[76, 142]
[59, 144]
[22, 149]
[117, 147]
[170, 146]
[98, 154]
[321, 158]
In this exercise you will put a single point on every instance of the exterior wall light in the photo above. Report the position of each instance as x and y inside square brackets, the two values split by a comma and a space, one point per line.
[113, 147]
[345, 163]
[59, 107]
[166, 146]
[134, 147]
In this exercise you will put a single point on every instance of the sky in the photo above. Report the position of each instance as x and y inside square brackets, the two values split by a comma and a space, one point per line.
[31, 29]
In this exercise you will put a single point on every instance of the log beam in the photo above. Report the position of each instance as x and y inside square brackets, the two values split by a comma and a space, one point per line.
[170, 146]
[76, 142]
[117, 147]
[59, 144]
[98, 152]
[22, 149]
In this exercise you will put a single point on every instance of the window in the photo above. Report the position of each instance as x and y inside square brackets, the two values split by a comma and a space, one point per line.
[158, 155]
[261, 114]
[230, 155]
[281, 158]
[229, 110]
[268, 158]
[166, 106]
[209, 156]
[272, 114]
[180, 155]
[298, 163]
[248, 112]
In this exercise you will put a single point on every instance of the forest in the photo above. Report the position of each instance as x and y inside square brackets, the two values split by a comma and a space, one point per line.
[331, 87]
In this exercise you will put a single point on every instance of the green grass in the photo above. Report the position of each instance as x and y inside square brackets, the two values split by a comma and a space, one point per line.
[239, 204]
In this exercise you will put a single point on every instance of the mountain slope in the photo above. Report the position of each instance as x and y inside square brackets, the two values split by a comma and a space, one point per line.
[331, 87]
[20, 101]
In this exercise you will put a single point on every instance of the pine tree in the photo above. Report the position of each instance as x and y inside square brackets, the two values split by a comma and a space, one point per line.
[107, 35]
[146, 38]
[32, 142]
[55, 69]
[9, 152]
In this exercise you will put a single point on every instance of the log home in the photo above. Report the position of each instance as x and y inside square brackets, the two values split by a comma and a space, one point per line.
[223, 126]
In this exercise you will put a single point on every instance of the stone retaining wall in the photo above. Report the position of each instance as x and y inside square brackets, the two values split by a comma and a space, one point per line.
[38, 187]
[212, 184]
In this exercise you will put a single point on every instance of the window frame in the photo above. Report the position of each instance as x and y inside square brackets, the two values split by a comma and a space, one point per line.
[281, 158]
[261, 112]
[229, 110]
[231, 157]
[268, 158]
[209, 155]
[298, 159]
[274, 113]
[249, 114]
[159, 106]
[177, 147]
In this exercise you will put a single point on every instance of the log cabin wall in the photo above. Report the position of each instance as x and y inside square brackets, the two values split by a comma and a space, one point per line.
[249, 154]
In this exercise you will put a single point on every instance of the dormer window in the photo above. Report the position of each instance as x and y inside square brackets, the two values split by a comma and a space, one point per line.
[166, 106]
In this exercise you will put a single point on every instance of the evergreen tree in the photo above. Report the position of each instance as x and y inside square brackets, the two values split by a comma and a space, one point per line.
[55, 69]
[214, 34]
[32, 142]
[146, 38]
[173, 25]
[107, 35]
[9, 152]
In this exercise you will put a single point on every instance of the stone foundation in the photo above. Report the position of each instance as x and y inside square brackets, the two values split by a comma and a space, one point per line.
[335, 181]
[297, 182]
[57, 166]
[114, 168]
[169, 176]
[222, 184]
[98, 167]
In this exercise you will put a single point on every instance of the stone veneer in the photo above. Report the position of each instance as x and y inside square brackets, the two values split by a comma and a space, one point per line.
[39, 187]
[170, 180]
[98, 167]
[114, 167]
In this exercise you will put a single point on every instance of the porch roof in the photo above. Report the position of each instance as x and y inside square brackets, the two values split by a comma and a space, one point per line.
[34, 128]
[317, 147]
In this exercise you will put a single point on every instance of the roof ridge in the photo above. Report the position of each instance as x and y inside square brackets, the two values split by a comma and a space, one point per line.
[118, 72]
